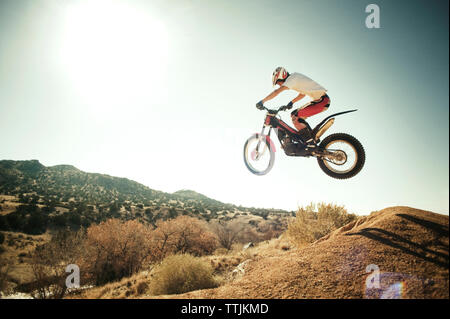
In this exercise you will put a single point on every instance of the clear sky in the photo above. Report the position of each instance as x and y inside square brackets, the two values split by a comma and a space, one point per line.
[164, 93]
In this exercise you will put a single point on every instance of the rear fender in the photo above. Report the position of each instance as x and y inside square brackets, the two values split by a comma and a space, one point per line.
[318, 126]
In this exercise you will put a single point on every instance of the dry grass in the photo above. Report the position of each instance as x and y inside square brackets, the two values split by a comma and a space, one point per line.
[409, 246]
[131, 287]
[182, 273]
[313, 223]
[221, 267]
[16, 253]
[8, 204]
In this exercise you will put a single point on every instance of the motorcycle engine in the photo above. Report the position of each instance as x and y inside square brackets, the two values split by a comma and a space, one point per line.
[285, 141]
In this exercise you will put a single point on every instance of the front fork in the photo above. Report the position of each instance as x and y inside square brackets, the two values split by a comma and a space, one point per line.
[261, 139]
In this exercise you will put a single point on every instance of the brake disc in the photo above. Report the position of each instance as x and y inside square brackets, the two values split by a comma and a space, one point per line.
[338, 157]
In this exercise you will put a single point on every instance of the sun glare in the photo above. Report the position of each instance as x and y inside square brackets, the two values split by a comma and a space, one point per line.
[113, 53]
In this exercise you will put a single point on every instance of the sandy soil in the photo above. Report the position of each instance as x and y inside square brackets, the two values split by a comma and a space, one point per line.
[398, 252]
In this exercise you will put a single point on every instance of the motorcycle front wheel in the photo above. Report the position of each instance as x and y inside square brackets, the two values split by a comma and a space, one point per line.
[258, 154]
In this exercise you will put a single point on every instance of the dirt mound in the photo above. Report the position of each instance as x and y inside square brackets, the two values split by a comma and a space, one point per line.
[398, 252]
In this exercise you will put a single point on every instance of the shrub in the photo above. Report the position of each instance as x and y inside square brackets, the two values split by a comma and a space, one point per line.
[36, 223]
[183, 234]
[5, 267]
[182, 273]
[49, 261]
[141, 288]
[15, 221]
[221, 251]
[310, 225]
[227, 232]
[116, 249]
[4, 223]
[2, 238]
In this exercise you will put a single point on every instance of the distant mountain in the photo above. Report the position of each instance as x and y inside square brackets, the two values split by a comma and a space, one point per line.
[65, 182]
[94, 197]
[186, 194]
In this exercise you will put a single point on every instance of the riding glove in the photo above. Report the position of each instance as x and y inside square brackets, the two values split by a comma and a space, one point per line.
[259, 105]
[286, 107]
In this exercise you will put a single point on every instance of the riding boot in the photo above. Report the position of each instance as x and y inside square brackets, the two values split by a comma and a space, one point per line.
[305, 135]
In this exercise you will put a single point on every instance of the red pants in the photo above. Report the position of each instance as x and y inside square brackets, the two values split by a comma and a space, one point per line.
[312, 109]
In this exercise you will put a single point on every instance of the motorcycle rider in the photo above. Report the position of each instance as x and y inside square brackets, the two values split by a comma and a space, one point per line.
[306, 87]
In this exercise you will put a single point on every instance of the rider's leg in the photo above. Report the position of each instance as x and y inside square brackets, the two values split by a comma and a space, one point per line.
[298, 123]
[299, 116]
[314, 108]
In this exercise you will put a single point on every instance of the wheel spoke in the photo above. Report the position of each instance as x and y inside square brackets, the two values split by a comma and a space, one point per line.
[258, 156]
[342, 158]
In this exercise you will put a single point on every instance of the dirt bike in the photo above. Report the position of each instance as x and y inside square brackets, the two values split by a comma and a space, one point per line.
[339, 155]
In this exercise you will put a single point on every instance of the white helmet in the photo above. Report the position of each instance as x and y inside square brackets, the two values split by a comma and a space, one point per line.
[280, 73]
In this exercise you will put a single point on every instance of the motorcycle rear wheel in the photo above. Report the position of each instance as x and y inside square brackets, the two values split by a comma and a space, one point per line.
[342, 148]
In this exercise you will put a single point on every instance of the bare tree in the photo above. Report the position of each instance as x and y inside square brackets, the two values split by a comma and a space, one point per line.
[227, 233]
[49, 262]
[183, 234]
[116, 249]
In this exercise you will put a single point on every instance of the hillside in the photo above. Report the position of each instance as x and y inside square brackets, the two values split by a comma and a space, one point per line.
[64, 182]
[62, 195]
[404, 250]
[37, 201]
[409, 246]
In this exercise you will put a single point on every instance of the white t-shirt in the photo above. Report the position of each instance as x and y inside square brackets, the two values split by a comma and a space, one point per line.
[303, 84]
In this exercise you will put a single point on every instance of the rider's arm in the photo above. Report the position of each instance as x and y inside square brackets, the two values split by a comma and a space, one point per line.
[298, 98]
[274, 93]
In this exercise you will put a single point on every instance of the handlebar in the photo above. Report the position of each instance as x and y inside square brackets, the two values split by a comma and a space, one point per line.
[281, 108]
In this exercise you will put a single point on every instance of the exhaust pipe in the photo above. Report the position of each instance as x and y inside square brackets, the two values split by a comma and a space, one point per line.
[324, 128]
